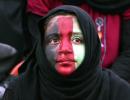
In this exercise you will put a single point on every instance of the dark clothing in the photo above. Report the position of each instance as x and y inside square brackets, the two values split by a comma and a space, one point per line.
[109, 6]
[89, 82]
[12, 35]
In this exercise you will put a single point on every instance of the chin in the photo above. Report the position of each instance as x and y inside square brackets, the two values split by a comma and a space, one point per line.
[65, 71]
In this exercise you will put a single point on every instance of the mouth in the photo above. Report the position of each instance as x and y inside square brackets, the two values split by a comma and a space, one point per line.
[65, 67]
[65, 62]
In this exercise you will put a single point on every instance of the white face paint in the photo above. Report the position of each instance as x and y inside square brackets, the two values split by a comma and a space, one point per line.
[78, 48]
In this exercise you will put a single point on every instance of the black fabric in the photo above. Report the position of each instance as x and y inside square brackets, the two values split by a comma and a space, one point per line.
[108, 2]
[13, 32]
[109, 6]
[5, 85]
[123, 61]
[11, 23]
[6, 66]
[72, 2]
[88, 82]
[32, 26]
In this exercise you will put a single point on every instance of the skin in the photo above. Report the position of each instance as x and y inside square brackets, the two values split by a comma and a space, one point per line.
[64, 44]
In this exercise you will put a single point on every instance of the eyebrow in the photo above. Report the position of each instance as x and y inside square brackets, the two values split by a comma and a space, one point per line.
[78, 33]
[52, 35]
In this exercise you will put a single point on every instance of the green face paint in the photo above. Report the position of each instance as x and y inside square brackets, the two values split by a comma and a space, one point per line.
[78, 46]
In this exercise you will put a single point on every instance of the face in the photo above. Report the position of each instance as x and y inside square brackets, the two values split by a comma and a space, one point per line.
[64, 44]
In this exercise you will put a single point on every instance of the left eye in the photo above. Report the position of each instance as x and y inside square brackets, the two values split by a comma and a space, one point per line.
[76, 40]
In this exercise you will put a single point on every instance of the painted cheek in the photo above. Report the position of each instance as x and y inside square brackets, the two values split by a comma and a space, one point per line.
[65, 59]
[79, 54]
[51, 50]
[51, 53]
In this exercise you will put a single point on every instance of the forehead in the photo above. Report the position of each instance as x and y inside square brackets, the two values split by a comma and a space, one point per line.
[56, 18]
[54, 21]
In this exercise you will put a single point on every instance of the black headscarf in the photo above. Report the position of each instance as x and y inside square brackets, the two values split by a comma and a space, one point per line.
[109, 6]
[88, 82]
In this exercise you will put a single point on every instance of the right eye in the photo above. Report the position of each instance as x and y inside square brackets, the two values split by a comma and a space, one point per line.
[53, 41]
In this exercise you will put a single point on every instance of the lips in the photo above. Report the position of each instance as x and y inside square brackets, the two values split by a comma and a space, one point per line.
[65, 61]
[66, 64]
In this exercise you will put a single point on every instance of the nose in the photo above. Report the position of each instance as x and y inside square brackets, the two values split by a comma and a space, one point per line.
[65, 47]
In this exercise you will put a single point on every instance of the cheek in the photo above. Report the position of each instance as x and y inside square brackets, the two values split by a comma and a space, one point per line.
[79, 54]
[51, 53]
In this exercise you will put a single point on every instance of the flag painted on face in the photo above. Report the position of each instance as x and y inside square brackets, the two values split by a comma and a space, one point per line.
[65, 56]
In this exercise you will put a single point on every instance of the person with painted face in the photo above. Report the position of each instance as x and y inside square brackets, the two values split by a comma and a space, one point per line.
[64, 64]
[112, 21]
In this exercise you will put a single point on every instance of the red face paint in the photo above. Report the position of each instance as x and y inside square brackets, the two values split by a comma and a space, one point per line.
[65, 63]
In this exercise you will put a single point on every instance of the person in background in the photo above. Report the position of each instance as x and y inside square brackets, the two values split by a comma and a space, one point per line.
[13, 38]
[112, 21]
[56, 70]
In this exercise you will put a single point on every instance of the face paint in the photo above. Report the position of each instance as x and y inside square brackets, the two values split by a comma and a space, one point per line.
[51, 40]
[63, 38]
[78, 43]
[65, 63]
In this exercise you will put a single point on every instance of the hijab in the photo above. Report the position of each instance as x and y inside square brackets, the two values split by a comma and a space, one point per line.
[88, 82]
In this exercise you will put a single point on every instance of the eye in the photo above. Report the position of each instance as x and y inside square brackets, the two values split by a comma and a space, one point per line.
[77, 40]
[53, 41]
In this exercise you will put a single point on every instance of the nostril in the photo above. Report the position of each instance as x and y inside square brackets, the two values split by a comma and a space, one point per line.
[65, 50]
